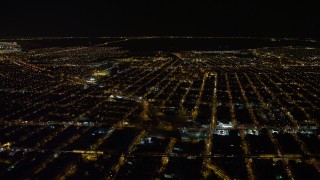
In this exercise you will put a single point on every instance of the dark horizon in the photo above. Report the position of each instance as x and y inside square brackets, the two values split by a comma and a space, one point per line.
[159, 18]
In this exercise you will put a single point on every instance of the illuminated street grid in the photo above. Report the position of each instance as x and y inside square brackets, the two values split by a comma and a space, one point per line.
[103, 111]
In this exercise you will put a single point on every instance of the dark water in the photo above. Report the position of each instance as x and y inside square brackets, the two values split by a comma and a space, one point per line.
[64, 42]
[167, 44]
[181, 44]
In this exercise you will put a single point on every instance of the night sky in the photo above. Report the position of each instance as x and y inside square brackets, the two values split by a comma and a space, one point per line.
[159, 17]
